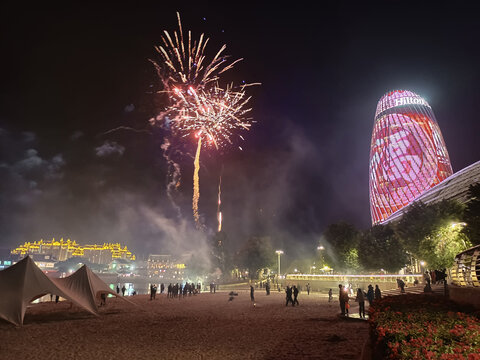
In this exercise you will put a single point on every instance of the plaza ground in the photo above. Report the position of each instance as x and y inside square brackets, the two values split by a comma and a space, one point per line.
[205, 326]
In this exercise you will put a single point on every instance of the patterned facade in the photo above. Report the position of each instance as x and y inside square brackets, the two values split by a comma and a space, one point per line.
[408, 155]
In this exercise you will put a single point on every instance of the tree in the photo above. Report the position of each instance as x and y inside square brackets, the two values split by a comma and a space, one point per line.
[440, 247]
[380, 248]
[342, 246]
[427, 232]
[256, 254]
[472, 215]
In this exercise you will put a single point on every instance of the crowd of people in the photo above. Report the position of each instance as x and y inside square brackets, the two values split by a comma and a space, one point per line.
[179, 290]
[345, 294]
[344, 297]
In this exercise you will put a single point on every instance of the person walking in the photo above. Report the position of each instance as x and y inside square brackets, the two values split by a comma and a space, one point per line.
[252, 294]
[288, 292]
[370, 295]
[341, 299]
[361, 303]
[402, 286]
[378, 293]
[295, 295]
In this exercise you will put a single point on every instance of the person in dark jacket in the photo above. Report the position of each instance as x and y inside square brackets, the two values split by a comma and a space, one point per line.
[295, 295]
[341, 299]
[378, 293]
[370, 295]
[288, 292]
[361, 303]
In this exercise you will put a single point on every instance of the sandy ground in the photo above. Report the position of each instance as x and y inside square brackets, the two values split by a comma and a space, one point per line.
[205, 326]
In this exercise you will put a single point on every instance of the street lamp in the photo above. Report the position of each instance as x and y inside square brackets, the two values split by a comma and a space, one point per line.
[279, 252]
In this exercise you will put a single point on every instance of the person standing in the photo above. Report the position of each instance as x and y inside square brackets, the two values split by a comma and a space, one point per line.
[346, 299]
[361, 303]
[370, 295]
[118, 289]
[295, 295]
[288, 292]
[341, 299]
[267, 288]
[378, 293]
[162, 288]
[123, 290]
[308, 288]
[252, 294]
[330, 295]
[103, 299]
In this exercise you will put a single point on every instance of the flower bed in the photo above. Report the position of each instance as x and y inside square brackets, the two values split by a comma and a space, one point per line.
[423, 327]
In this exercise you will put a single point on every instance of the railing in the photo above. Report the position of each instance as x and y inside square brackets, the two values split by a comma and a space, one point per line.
[339, 277]
[466, 270]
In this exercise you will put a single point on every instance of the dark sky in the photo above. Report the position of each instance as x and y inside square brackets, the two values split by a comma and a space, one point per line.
[72, 72]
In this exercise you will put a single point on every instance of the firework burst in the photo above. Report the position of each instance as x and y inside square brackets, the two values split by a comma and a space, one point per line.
[198, 105]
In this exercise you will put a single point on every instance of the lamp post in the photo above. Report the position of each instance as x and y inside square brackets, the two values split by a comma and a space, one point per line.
[279, 252]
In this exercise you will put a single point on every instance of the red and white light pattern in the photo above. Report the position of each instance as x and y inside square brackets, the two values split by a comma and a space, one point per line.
[407, 156]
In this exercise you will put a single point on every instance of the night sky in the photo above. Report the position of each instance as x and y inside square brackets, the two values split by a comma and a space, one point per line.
[70, 73]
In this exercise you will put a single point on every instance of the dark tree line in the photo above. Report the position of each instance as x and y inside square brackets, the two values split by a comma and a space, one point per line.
[434, 233]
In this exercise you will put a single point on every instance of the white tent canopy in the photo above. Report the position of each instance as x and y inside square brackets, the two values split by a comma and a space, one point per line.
[21, 284]
[24, 282]
[86, 287]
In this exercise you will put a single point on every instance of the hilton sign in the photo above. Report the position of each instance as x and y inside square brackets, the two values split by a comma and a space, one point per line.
[390, 102]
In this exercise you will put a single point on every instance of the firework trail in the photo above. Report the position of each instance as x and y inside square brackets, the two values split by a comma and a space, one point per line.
[219, 203]
[196, 184]
[128, 128]
[198, 105]
[173, 175]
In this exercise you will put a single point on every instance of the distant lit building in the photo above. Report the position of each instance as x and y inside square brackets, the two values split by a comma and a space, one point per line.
[165, 267]
[44, 261]
[62, 250]
[408, 155]
[7, 258]
[103, 254]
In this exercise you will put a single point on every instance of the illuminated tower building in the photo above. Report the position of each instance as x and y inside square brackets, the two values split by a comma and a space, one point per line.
[407, 155]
